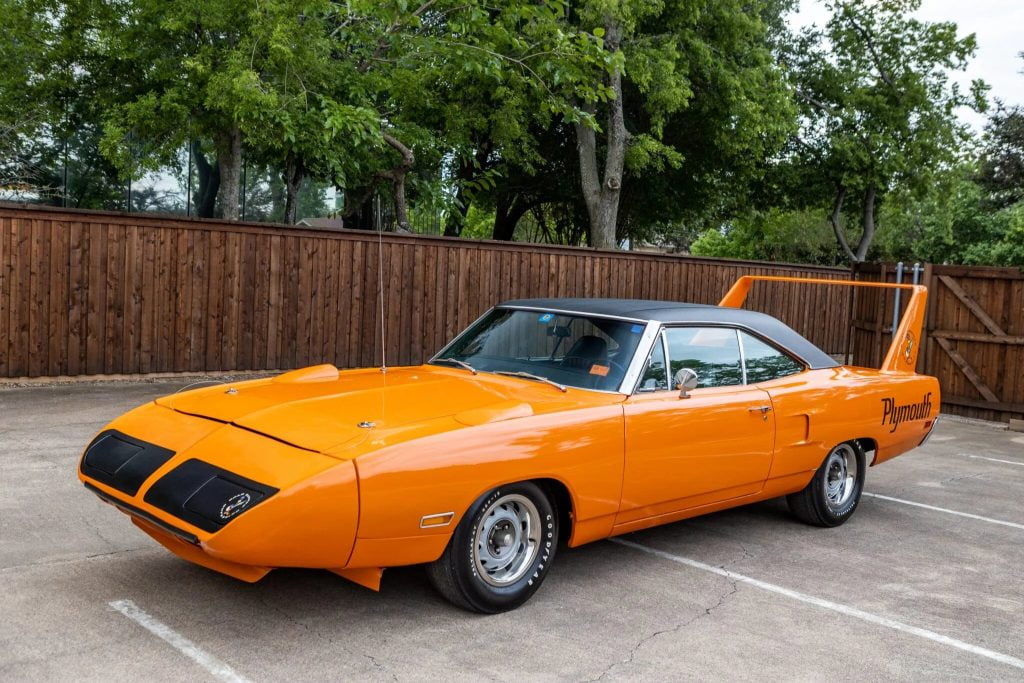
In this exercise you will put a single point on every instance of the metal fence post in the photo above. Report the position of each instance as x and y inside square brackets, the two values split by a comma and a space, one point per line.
[896, 302]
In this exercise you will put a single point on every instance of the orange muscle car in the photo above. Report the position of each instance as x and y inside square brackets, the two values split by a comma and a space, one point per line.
[546, 421]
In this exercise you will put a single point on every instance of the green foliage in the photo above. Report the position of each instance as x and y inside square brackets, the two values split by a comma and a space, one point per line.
[1001, 170]
[796, 236]
[951, 223]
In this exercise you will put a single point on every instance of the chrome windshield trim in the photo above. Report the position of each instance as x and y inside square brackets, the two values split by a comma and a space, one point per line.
[632, 370]
[640, 356]
[668, 362]
[581, 314]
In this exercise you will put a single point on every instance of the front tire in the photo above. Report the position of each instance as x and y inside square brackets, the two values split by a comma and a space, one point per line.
[835, 490]
[500, 551]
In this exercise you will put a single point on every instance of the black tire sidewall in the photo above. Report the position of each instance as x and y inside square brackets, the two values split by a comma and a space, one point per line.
[829, 516]
[482, 595]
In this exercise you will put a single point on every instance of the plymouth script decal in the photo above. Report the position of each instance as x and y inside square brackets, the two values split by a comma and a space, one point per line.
[895, 415]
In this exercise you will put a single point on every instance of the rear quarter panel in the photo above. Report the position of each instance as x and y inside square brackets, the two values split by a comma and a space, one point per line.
[818, 409]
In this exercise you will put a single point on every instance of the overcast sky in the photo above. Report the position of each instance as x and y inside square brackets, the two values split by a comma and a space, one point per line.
[999, 27]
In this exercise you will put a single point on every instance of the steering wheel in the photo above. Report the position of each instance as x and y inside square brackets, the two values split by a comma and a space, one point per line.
[617, 365]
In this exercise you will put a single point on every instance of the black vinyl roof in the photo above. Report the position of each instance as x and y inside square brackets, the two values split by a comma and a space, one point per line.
[671, 312]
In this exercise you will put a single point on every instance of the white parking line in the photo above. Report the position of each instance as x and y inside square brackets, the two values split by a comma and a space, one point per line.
[982, 457]
[829, 605]
[217, 668]
[946, 510]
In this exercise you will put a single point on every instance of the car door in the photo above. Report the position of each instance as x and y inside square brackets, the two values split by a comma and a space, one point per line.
[713, 445]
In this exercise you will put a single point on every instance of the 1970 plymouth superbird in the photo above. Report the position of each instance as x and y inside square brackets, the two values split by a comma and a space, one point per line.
[546, 420]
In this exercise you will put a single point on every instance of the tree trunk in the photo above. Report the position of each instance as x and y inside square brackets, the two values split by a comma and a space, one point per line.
[502, 230]
[209, 183]
[229, 158]
[836, 218]
[397, 176]
[602, 195]
[869, 224]
[506, 216]
[294, 172]
[355, 212]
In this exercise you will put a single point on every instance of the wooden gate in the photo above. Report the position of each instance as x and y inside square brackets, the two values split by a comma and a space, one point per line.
[973, 339]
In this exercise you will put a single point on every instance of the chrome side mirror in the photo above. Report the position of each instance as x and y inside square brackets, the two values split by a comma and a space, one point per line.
[686, 380]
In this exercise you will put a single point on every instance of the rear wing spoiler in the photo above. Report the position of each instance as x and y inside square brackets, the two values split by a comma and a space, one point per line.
[902, 354]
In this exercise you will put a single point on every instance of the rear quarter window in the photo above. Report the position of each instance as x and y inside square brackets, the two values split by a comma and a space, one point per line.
[764, 362]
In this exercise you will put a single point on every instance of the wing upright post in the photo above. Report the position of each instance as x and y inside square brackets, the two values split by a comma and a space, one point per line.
[906, 341]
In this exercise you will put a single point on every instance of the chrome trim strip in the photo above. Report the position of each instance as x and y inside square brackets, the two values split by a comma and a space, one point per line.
[582, 314]
[743, 356]
[668, 362]
[643, 351]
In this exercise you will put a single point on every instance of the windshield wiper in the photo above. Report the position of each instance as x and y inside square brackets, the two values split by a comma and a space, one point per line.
[461, 363]
[530, 375]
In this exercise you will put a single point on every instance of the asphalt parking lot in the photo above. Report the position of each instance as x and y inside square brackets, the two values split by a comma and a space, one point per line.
[926, 581]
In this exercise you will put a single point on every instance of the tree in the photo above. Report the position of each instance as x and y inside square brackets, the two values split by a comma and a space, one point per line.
[670, 63]
[878, 109]
[185, 69]
[1001, 168]
[25, 40]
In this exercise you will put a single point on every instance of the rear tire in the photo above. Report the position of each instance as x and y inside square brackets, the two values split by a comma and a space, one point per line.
[500, 551]
[834, 492]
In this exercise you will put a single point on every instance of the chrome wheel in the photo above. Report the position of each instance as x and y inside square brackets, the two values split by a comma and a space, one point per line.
[840, 479]
[507, 540]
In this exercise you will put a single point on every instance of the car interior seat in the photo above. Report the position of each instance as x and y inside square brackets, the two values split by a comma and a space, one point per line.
[585, 352]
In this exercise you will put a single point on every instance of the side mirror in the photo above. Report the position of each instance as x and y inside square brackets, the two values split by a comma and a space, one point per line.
[686, 380]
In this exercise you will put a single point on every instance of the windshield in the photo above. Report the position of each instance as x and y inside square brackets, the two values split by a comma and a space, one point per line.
[574, 350]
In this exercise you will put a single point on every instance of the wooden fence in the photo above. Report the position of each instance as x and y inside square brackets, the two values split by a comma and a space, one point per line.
[90, 293]
[973, 339]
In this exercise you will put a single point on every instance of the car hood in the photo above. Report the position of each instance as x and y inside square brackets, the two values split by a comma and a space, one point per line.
[321, 409]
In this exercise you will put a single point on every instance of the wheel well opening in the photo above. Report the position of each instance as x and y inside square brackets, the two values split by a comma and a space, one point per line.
[560, 496]
[870, 447]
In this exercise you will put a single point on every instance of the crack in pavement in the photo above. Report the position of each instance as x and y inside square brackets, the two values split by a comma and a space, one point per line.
[380, 667]
[72, 560]
[323, 637]
[626, 661]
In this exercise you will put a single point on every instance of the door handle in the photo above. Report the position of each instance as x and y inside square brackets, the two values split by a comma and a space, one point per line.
[762, 409]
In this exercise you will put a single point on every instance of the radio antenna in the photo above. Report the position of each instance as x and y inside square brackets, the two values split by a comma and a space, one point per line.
[380, 287]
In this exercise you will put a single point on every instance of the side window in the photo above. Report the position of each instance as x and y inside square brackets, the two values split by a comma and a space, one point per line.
[655, 377]
[712, 352]
[765, 362]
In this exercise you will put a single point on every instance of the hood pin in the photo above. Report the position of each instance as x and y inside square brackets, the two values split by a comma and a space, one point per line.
[366, 425]
[232, 391]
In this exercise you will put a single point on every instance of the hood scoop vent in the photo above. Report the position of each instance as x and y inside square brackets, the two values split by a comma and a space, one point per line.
[497, 412]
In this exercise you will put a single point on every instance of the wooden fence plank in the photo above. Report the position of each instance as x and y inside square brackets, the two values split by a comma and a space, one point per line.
[972, 305]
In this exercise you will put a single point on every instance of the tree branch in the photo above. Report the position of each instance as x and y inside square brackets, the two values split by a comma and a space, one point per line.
[869, 224]
[875, 57]
[836, 218]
